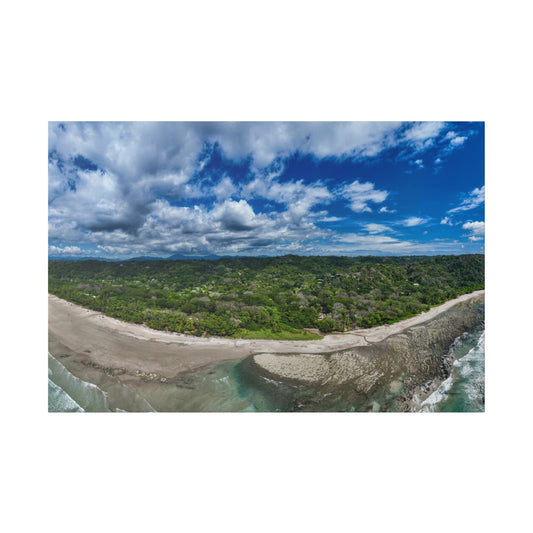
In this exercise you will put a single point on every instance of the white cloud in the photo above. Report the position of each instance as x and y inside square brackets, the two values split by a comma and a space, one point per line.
[98, 201]
[413, 221]
[131, 165]
[122, 193]
[370, 242]
[235, 216]
[299, 197]
[451, 141]
[477, 230]
[376, 228]
[359, 194]
[330, 219]
[422, 135]
[354, 244]
[455, 139]
[474, 199]
[135, 149]
[230, 227]
[224, 188]
[65, 250]
[446, 221]
[458, 141]
[351, 139]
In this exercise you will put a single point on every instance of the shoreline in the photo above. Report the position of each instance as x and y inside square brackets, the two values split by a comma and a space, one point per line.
[396, 373]
[105, 342]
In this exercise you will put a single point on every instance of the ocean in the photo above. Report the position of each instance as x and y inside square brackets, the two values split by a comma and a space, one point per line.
[464, 389]
[233, 387]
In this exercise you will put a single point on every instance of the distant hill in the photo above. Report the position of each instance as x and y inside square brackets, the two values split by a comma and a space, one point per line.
[146, 258]
[179, 257]
[75, 258]
[175, 257]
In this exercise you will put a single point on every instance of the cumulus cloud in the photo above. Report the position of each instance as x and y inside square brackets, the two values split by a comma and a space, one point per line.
[98, 201]
[113, 171]
[458, 141]
[477, 230]
[446, 221]
[422, 135]
[473, 199]
[230, 227]
[455, 139]
[235, 216]
[224, 188]
[65, 250]
[265, 142]
[360, 194]
[134, 149]
[141, 188]
[297, 196]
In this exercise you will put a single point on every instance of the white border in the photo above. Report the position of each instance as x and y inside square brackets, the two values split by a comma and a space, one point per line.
[266, 61]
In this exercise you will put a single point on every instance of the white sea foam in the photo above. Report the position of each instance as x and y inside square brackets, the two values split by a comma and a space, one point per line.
[268, 380]
[440, 394]
[87, 395]
[60, 401]
[469, 364]
[467, 379]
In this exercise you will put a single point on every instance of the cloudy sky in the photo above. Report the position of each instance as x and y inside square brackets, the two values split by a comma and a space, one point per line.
[119, 190]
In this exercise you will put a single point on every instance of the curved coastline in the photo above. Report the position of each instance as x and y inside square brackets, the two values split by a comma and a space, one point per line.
[133, 349]
[130, 361]
[402, 368]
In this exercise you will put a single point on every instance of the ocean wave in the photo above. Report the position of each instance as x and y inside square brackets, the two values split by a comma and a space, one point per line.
[86, 395]
[430, 403]
[60, 401]
[464, 389]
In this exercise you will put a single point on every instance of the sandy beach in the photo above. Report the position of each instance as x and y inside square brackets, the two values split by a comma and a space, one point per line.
[135, 349]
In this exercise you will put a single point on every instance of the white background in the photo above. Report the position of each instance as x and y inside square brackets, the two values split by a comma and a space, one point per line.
[409, 60]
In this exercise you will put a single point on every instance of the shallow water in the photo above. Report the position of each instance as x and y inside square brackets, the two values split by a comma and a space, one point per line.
[213, 389]
[67, 392]
[234, 387]
[59, 401]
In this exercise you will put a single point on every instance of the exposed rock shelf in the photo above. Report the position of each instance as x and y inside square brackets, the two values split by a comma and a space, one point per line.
[403, 361]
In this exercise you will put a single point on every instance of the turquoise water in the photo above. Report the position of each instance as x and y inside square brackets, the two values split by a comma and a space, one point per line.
[214, 389]
[464, 389]
[234, 387]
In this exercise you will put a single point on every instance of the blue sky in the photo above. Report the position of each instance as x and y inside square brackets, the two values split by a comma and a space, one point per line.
[119, 190]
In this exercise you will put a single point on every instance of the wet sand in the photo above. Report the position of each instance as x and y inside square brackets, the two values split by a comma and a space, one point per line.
[137, 350]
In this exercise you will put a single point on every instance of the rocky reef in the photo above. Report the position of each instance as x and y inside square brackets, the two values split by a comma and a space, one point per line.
[384, 375]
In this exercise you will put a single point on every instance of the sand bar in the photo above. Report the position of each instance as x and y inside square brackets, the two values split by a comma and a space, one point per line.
[109, 342]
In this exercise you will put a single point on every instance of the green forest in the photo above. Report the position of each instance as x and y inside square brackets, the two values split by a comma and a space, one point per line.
[289, 297]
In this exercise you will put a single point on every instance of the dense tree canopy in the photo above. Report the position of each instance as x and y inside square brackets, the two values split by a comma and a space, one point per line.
[267, 297]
